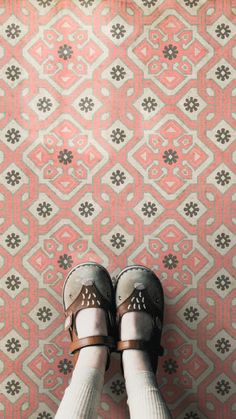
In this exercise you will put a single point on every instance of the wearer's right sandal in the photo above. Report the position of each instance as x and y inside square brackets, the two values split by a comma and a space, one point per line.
[88, 285]
[139, 289]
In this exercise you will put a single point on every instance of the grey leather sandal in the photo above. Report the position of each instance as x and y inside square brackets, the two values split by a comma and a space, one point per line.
[139, 289]
[89, 285]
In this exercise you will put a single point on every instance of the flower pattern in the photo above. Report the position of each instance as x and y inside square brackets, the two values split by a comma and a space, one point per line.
[118, 31]
[44, 209]
[223, 387]
[170, 261]
[65, 156]
[13, 31]
[223, 31]
[118, 178]
[101, 160]
[118, 240]
[118, 387]
[222, 73]
[13, 387]
[191, 104]
[118, 136]
[65, 366]
[44, 104]
[13, 282]
[222, 178]
[44, 415]
[170, 156]
[13, 73]
[191, 3]
[191, 209]
[170, 51]
[65, 52]
[149, 3]
[13, 345]
[222, 240]
[149, 104]
[13, 240]
[44, 3]
[44, 314]
[222, 136]
[13, 178]
[86, 209]
[191, 314]
[86, 3]
[149, 209]
[223, 345]
[86, 104]
[118, 73]
[222, 282]
[65, 261]
[170, 366]
[13, 136]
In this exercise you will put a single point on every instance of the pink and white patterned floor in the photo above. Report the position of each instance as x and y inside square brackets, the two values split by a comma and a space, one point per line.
[118, 146]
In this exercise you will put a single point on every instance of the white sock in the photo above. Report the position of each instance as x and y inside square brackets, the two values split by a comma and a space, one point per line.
[144, 397]
[82, 396]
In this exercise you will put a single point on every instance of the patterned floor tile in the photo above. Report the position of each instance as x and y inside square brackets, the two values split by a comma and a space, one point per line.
[117, 146]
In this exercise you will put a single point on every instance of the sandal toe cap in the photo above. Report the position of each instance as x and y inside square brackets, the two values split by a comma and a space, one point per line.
[86, 275]
[139, 279]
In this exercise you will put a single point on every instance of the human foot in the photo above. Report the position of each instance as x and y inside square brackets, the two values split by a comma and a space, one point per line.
[89, 310]
[136, 325]
[140, 305]
[91, 322]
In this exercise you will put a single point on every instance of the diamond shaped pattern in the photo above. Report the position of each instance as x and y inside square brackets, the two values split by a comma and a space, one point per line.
[117, 146]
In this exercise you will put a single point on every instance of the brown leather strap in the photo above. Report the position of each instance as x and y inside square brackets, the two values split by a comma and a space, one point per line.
[139, 344]
[76, 356]
[77, 343]
[131, 344]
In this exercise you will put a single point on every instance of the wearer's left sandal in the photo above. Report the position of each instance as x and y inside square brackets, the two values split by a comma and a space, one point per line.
[139, 289]
[89, 285]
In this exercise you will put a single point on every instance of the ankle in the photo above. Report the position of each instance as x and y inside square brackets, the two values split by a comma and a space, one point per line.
[94, 356]
[136, 325]
[135, 360]
[95, 350]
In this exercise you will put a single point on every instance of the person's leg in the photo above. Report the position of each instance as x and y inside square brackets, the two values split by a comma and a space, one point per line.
[82, 396]
[144, 397]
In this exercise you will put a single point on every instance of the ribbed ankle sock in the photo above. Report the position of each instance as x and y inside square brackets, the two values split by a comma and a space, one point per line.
[81, 398]
[144, 397]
